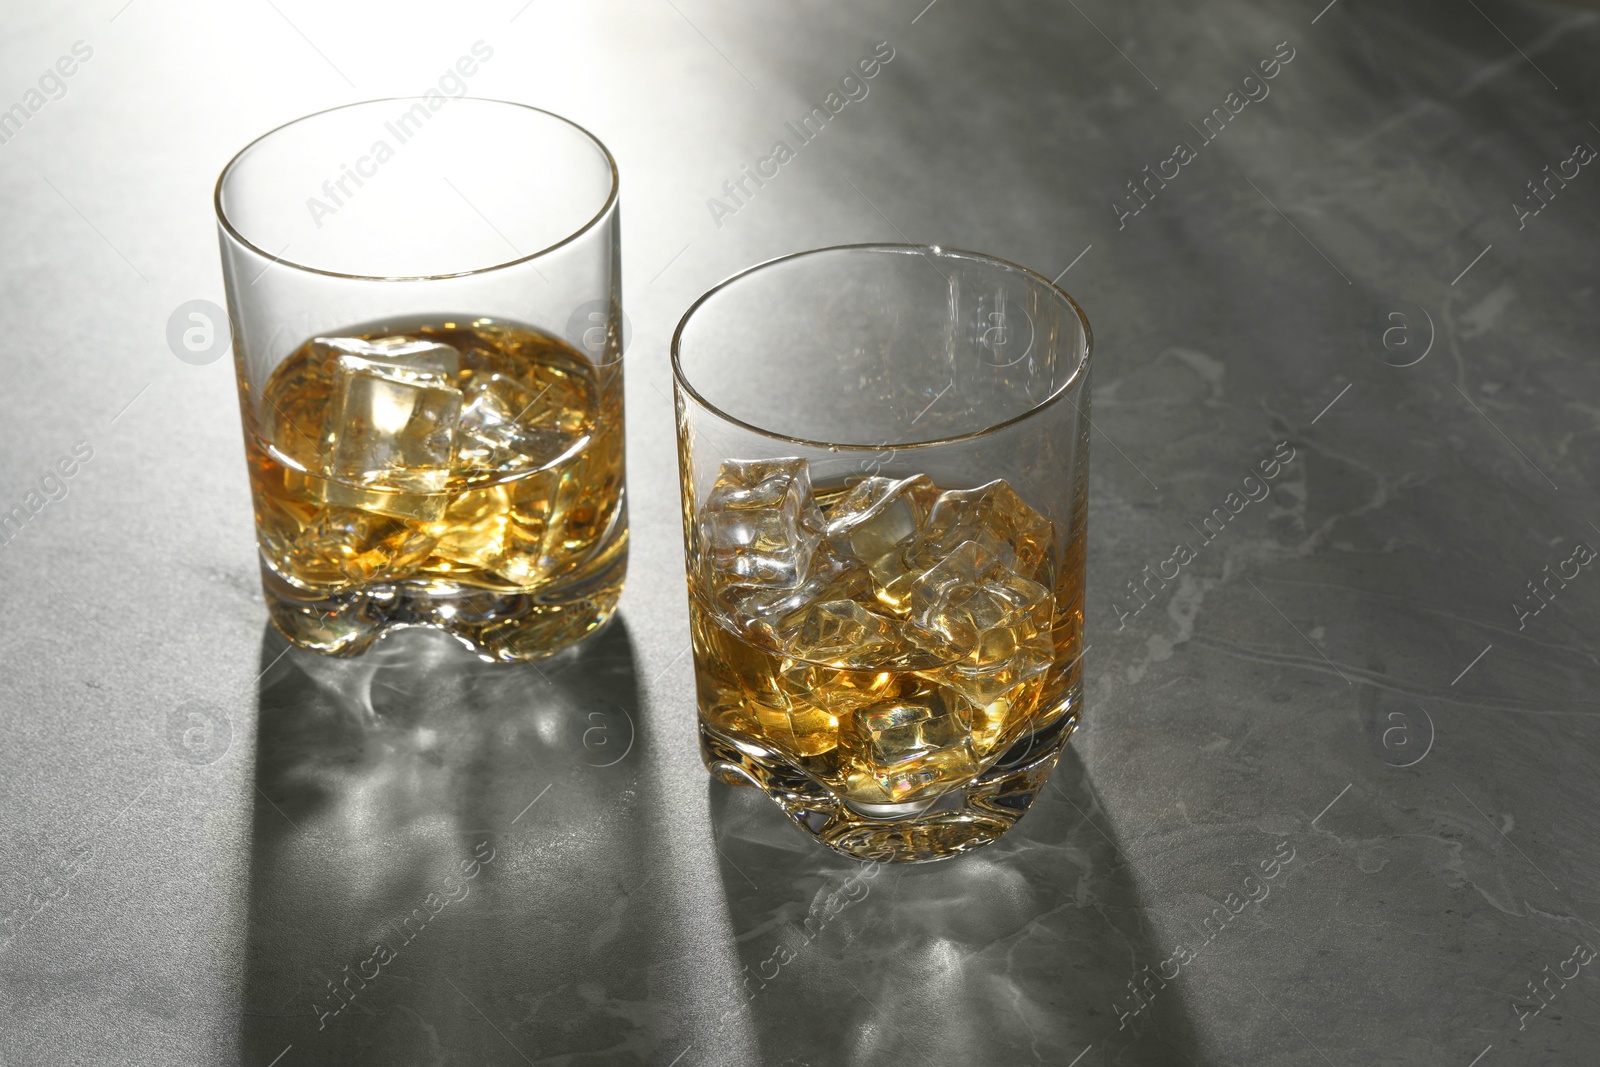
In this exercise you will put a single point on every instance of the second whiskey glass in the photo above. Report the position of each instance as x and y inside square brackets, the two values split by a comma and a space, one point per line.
[883, 452]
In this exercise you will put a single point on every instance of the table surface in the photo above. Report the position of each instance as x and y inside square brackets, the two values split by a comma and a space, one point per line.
[1333, 798]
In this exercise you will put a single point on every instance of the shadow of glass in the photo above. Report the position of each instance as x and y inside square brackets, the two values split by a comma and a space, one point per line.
[1019, 953]
[436, 841]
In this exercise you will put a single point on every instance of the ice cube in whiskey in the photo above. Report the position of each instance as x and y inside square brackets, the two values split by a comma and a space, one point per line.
[460, 473]
[888, 639]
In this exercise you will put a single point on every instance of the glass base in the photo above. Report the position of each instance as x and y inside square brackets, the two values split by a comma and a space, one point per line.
[498, 626]
[955, 822]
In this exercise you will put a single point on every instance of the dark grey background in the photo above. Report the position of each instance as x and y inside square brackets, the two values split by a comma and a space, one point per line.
[198, 831]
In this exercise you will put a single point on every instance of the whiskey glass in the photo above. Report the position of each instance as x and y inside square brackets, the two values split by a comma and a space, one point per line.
[425, 298]
[883, 453]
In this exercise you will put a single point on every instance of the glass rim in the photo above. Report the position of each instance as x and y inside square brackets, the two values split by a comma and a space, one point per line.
[232, 231]
[681, 380]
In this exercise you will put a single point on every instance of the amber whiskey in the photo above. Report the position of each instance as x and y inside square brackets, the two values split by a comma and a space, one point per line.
[889, 639]
[463, 473]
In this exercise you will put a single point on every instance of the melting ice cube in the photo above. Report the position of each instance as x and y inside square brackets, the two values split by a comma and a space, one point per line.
[997, 519]
[879, 513]
[401, 358]
[759, 525]
[800, 730]
[393, 430]
[505, 424]
[991, 624]
[350, 544]
[772, 612]
[842, 633]
[917, 743]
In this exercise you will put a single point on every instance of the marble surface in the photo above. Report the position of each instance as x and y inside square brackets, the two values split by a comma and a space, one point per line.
[1333, 800]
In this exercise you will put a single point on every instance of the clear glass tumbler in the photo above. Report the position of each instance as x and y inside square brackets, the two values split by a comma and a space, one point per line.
[884, 458]
[425, 297]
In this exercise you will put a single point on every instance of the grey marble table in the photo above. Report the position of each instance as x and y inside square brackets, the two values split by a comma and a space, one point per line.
[1334, 797]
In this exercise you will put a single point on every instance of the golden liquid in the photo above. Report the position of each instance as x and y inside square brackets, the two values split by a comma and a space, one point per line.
[895, 721]
[470, 517]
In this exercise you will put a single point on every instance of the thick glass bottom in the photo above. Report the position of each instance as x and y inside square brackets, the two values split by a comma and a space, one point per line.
[954, 822]
[498, 626]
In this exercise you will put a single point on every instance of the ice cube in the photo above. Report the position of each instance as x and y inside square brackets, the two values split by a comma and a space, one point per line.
[990, 625]
[402, 358]
[759, 526]
[474, 529]
[350, 544]
[835, 691]
[767, 613]
[939, 598]
[997, 519]
[541, 524]
[393, 439]
[801, 730]
[915, 743]
[842, 633]
[505, 424]
[891, 581]
[879, 513]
